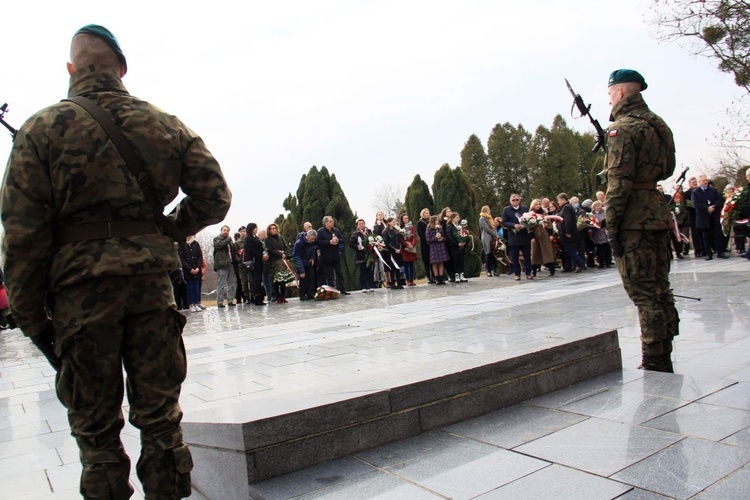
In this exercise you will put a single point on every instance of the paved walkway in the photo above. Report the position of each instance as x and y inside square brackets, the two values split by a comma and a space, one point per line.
[626, 433]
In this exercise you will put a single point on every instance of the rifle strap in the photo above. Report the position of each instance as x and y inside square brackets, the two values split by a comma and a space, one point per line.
[134, 163]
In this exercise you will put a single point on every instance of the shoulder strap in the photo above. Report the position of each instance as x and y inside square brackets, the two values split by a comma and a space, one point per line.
[123, 146]
[133, 162]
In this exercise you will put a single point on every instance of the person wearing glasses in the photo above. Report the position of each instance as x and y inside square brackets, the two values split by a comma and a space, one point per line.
[519, 238]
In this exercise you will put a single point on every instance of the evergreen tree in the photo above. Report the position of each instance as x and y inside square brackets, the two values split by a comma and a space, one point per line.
[554, 159]
[319, 194]
[316, 196]
[443, 188]
[418, 197]
[537, 159]
[476, 167]
[563, 157]
[288, 224]
[451, 189]
[589, 164]
[339, 207]
[507, 150]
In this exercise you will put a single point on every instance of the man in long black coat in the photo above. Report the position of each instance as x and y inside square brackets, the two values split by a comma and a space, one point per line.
[519, 238]
[708, 203]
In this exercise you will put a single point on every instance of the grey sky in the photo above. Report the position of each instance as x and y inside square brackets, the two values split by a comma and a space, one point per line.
[377, 91]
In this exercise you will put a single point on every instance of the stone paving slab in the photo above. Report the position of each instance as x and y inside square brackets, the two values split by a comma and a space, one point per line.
[285, 349]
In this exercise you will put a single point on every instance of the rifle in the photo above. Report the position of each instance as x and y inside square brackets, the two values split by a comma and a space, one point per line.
[584, 110]
[3, 110]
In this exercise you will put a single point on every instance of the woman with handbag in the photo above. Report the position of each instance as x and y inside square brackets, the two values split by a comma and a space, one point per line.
[254, 257]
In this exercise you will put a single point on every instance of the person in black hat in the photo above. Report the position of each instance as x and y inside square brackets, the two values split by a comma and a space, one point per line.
[97, 297]
[640, 152]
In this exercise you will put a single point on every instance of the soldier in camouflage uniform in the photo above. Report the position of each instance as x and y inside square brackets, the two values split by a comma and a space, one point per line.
[81, 243]
[640, 152]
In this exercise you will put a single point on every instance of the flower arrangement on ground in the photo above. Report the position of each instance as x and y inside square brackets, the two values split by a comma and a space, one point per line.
[326, 292]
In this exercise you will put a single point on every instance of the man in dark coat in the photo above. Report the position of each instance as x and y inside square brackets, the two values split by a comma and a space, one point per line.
[708, 203]
[519, 238]
[331, 245]
[569, 235]
[304, 260]
[358, 241]
[695, 234]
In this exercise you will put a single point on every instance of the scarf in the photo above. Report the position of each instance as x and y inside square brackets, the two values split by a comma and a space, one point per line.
[489, 219]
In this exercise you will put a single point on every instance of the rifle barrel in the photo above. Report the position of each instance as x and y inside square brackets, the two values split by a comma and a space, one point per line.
[586, 111]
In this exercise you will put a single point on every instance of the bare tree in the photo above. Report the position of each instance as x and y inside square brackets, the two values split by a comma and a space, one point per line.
[720, 30]
[734, 138]
[389, 198]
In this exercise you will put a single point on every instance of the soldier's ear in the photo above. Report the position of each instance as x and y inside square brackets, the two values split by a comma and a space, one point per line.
[71, 68]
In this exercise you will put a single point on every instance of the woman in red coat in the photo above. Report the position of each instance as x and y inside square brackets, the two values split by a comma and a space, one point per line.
[409, 247]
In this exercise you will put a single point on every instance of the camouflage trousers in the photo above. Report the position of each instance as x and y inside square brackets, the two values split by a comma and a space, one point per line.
[644, 269]
[104, 325]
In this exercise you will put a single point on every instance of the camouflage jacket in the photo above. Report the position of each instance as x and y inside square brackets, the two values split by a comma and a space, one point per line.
[63, 171]
[640, 152]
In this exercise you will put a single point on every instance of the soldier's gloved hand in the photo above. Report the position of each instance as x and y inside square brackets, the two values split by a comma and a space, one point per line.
[45, 342]
[614, 243]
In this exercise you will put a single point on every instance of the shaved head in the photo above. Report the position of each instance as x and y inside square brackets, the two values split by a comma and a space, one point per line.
[88, 49]
[620, 91]
[630, 88]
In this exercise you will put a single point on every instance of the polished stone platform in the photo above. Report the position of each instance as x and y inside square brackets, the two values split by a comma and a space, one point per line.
[259, 439]
[641, 435]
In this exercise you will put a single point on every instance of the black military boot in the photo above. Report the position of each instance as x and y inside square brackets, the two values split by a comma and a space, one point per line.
[656, 364]
[667, 356]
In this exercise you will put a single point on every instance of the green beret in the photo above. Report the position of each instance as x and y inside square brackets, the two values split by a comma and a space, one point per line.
[625, 76]
[108, 37]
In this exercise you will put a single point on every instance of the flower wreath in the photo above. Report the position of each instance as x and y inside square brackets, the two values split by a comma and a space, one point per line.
[730, 212]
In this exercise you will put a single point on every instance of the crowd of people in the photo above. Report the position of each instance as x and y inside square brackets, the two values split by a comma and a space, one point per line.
[559, 235]
[707, 221]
